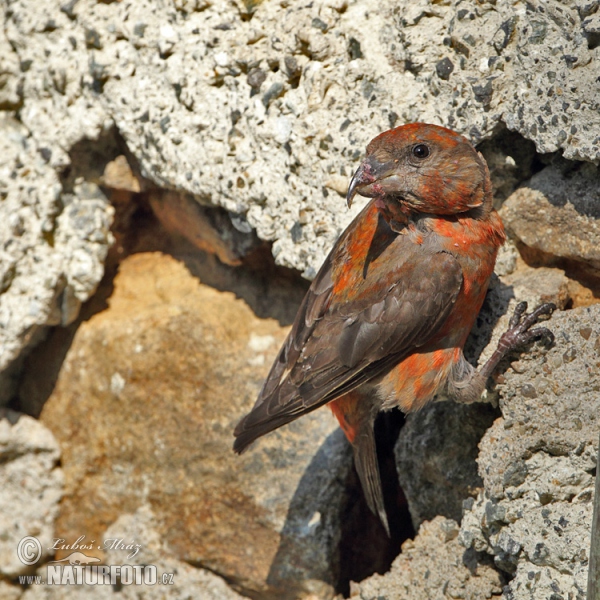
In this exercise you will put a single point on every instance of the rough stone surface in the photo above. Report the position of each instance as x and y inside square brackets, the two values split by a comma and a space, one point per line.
[144, 407]
[557, 212]
[437, 448]
[139, 529]
[436, 458]
[301, 88]
[10, 592]
[53, 244]
[263, 109]
[538, 286]
[31, 486]
[535, 514]
[433, 566]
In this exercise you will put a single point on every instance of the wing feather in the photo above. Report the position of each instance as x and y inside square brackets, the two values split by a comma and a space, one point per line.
[333, 348]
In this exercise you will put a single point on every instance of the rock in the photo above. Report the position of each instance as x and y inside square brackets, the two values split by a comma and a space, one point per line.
[181, 579]
[300, 89]
[119, 176]
[31, 486]
[209, 230]
[11, 82]
[433, 565]
[538, 286]
[557, 213]
[144, 409]
[54, 247]
[537, 462]
[436, 458]
[10, 592]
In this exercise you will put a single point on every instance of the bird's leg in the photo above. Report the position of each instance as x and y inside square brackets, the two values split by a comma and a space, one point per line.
[466, 384]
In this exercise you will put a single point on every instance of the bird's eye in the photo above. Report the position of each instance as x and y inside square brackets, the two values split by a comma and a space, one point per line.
[420, 151]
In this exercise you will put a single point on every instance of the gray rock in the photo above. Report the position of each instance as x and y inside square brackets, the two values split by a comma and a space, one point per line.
[436, 458]
[265, 117]
[52, 246]
[534, 516]
[31, 486]
[433, 565]
[300, 89]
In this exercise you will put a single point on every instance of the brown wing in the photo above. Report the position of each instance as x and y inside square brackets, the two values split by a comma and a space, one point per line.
[334, 348]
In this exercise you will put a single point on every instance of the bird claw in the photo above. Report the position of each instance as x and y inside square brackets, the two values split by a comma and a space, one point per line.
[519, 332]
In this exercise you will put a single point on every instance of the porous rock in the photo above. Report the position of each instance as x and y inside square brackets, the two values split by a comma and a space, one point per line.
[53, 244]
[144, 409]
[432, 565]
[437, 448]
[266, 108]
[31, 486]
[263, 109]
[535, 513]
[436, 458]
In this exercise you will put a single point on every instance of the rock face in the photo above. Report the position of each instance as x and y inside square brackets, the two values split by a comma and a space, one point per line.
[435, 457]
[535, 514]
[301, 88]
[144, 409]
[557, 213]
[139, 527]
[53, 244]
[432, 566]
[238, 122]
[31, 486]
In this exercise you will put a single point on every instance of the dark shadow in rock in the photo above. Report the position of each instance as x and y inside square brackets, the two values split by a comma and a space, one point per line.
[585, 275]
[436, 456]
[364, 547]
[358, 542]
[568, 181]
[512, 159]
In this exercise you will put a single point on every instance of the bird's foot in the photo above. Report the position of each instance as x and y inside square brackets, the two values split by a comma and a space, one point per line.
[519, 332]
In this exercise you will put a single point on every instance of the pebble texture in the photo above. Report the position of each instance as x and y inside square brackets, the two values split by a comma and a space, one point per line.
[537, 463]
[53, 244]
[31, 486]
[432, 567]
[261, 108]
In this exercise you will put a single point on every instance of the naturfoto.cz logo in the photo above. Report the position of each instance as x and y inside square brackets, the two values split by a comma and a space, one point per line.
[79, 569]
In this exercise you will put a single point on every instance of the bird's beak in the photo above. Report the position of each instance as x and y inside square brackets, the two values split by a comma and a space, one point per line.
[370, 172]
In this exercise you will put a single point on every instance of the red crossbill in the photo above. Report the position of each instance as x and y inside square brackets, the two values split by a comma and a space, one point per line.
[385, 320]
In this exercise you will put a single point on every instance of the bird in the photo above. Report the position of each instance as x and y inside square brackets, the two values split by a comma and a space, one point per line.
[385, 320]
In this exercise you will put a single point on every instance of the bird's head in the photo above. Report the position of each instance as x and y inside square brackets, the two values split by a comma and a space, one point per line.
[423, 168]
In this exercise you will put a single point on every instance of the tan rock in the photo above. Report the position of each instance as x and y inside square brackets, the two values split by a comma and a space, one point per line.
[557, 213]
[144, 409]
[118, 175]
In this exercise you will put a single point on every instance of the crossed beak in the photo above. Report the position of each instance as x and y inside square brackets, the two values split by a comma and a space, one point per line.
[372, 179]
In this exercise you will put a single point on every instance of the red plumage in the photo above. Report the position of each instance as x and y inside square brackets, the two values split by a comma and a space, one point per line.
[385, 320]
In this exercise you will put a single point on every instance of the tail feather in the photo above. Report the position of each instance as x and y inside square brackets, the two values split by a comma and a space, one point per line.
[365, 459]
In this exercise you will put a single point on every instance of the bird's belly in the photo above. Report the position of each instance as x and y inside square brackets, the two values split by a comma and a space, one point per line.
[417, 379]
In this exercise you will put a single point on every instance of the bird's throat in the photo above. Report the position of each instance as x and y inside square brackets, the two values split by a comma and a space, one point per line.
[395, 213]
